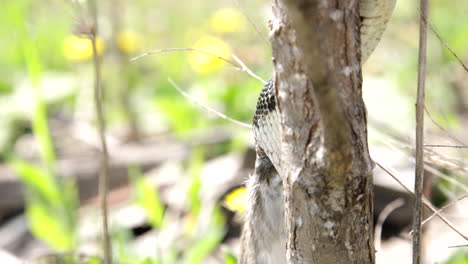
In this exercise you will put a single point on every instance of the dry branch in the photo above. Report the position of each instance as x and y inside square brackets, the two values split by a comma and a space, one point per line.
[426, 203]
[419, 172]
[325, 163]
[98, 104]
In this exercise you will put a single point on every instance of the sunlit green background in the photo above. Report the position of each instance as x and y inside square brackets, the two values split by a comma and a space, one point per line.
[47, 74]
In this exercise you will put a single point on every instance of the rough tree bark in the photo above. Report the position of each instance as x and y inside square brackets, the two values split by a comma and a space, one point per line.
[325, 164]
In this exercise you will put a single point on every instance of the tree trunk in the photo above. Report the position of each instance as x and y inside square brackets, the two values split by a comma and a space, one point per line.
[325, 164]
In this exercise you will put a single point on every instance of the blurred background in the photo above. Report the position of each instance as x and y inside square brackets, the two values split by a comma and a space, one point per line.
[177, 170]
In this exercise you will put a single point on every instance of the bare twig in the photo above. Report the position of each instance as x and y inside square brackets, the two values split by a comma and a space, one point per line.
[211, 110]
[442, 128]
[426, 203]
[185, 49]
[432, 160]
[443, 208]
[448, 48]
[452, 180]
[444, 146]
[443, 161]
[239, 65]
[381, 219]
[256, 29]
[104, 175]
[419, 173]
[458, 246]
[427, 166]
[244, 68]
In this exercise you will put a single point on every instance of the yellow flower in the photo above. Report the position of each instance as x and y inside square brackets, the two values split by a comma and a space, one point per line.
[236, 200]
[226, 20]
[205, 63]
[128, 41]
[78, 48]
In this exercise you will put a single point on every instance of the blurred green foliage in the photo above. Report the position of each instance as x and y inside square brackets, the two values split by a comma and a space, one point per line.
[201, 243]
[148, 198]
[193, 192]
[460, 257]
[51, 201]
[51, 206]
[229, 258]
[47, 74]
[202, 247]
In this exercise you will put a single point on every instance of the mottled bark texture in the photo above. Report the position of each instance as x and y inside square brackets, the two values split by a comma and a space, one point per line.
[325, 164]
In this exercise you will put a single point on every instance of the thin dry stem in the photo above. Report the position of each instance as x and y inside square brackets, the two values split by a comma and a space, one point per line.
[445, 162]
[397, 142]
[443, 208]
[448, 48]
[104, 175]
[185, 49]
[452, 180]
[419, 172]
[209, 109]
[426, 203]
[444, 146]
[427, 165]
[244, 68]
[239, 65]
[256, 29]
[442, 128]
[458, 246]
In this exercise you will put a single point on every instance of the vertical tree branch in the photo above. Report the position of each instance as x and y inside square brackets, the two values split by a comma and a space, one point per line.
[419, 172]
[104, 172]
[326, 168]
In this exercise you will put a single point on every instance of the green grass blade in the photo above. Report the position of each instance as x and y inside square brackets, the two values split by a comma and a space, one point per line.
[148, 198]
